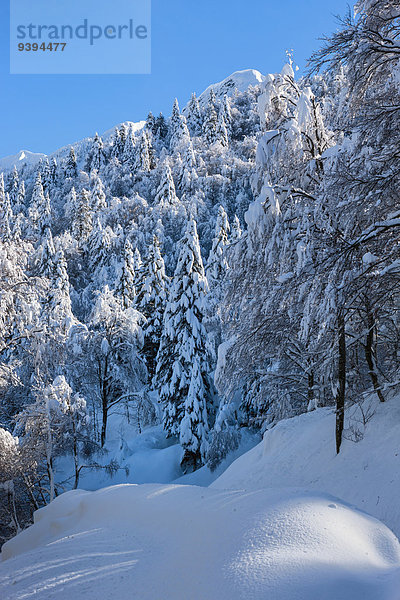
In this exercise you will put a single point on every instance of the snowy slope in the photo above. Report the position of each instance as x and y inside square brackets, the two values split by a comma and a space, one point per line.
[240, 81]
[22, 158]
[156, 542]
[301, 452]
[30, 159]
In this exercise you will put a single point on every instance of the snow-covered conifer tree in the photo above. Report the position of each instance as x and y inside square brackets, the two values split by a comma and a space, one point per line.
[222, 132]
[152, 301]
[217, 264]
[227, 114]
[129, 153]
[20, 204]
[142, 161]
[53, 171]
[6, 216]
[70, 166]
[71, 204]
[194, 118]
[97, 197]
[210, 123]
[183, 340]
[125, 288]
[13, 188]
[179, 132]
[236, 230]
[166, 193]
[194, 426]
[96, 157]
[82, 219]
[46, 175]
[188, 175]
[39, 209]
[46, 254]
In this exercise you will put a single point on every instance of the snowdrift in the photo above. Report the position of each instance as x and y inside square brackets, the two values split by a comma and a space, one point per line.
[185, 542]
[301, 452]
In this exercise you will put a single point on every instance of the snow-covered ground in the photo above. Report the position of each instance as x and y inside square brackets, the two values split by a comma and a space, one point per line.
[145, 458]
[271, 526]
[301, 452]
[184, 542]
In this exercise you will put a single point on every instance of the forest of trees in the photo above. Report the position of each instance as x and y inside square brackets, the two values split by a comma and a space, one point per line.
[238, 261]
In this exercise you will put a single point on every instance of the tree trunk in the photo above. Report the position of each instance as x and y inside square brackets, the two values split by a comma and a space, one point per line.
[104, 423]
[104, 398]
[341, 389]
[310, 389]
[369, 356]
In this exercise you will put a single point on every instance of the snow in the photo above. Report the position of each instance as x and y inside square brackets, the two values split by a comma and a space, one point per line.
[369, 258]
[263, 148]
[180, 542]
[31, 159]
[301, 452]
[22, 158]
[271, 526]
[135, 127]
[240, 81]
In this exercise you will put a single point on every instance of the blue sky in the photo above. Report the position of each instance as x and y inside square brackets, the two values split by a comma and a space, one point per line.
[193, 44]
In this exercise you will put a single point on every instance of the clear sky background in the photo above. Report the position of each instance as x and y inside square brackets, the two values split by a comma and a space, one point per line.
[194, 43]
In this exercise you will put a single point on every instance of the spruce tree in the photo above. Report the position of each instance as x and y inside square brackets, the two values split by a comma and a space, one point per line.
[2, 194]
[216, 263]
[188, 174]
[183, 339]
[222, 132]
[70, 167]
[20, 205]
[194, 426]
[227, 114]
[71, 205]
[150, 122]
[152, 301]
[236, 230]
[125, 288]
[53, 171]
[13, 188]
[57, 305]
[160, 127]
[46, 175]
[194, 119]
[97, 197]
[82, 220]
[96, 157]
[39, 210]
[6, 216]
[210, 124]
[119, 141]
[166, 193]
[46, 255]
[143, 161]
[129, 153]
[178, 129]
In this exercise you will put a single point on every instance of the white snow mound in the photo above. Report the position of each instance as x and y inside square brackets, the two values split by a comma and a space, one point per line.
[300, 452]
[170, 542]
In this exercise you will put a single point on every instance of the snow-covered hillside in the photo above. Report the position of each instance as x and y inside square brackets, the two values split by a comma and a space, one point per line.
[21, 159]
[240, 81]
[301, 452]
[179, 542]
